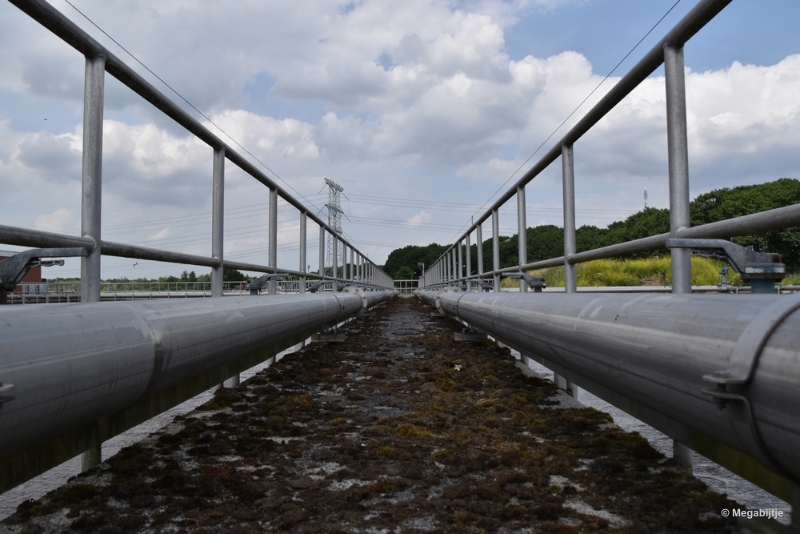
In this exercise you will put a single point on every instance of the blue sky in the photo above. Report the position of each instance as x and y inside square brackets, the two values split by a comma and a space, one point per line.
[421, 110]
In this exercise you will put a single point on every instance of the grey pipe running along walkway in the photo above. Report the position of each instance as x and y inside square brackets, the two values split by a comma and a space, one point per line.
[397, 429]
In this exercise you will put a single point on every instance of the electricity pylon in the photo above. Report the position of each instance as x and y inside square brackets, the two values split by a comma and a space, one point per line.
[335, 213]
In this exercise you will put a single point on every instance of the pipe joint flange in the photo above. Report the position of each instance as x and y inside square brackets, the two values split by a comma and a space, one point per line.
[360, 292]
[438, 299]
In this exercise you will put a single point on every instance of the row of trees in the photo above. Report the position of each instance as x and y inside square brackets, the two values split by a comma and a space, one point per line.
[547, 241]
[229, 275]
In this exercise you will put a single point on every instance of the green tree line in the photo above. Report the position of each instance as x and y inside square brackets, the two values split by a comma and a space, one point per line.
[547, 241]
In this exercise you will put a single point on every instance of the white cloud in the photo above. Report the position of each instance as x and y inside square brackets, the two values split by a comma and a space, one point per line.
[382, 93]
[161, 234]
[54, 222]
[420, 218]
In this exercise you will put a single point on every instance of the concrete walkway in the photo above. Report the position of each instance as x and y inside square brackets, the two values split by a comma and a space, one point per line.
[397, 429]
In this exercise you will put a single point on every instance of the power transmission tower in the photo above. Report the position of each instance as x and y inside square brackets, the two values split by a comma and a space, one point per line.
[335, 213]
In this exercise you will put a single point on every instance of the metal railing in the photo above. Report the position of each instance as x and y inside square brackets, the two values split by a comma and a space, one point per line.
[406, 287]
[149, 356]
[453, 267]
[99, 61]
[642, 353]
[70, 291]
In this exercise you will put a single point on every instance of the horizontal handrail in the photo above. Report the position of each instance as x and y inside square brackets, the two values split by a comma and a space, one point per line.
[691, 23]
[764, 221]
[73, 35]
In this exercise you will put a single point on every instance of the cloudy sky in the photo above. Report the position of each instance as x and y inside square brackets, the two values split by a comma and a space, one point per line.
[421, 110]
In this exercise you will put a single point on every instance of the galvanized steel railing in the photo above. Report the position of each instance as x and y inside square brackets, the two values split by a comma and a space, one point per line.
[450, 267]
[123, 366]
[642, 353]
[99, 61]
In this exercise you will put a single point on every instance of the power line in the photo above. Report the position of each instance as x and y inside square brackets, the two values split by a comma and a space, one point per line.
[573, 111]
[189, 103]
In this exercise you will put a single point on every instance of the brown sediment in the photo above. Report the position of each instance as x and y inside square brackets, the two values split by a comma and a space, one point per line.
[398, 429]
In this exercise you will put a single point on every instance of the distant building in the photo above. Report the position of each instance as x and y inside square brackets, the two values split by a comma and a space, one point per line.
[34, 276]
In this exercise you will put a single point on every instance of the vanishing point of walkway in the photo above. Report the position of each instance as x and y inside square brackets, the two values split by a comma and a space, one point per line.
[397, 429]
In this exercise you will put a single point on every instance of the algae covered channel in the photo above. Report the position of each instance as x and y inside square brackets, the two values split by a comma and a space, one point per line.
[398, 429]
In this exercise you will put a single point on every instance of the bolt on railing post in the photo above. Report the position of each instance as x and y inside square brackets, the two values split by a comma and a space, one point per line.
[92, 175]
[568, 193]
[522, 235]
[273, 239]
[217, 220]
[677, 146]
[303, 251]
[496, 249]
[679, 215]
[91, 197]
[321, 253]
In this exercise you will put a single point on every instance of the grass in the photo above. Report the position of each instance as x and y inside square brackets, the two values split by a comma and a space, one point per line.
[641, 272]
[792, 280]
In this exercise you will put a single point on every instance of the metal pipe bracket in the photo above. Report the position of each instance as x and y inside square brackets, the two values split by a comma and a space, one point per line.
[747, 351]
[748, 263]
[14, 269]
[537, 284]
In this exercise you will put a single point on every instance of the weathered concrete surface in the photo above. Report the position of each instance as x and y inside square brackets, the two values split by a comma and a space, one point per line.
[399, 429]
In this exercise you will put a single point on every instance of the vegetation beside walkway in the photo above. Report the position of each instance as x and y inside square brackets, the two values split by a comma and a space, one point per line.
[547, 241]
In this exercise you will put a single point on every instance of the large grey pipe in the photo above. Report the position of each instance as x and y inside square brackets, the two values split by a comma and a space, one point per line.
[656, 349]
[70, 365]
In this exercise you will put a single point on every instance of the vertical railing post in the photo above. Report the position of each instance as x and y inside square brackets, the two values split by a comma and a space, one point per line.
[453, 264]
[570, 279]
[343, 271]
[335, 267]
[496, 249]
[469, 263]
[217, 220]
[321, 255]
[677, 146]
[217, 217]
[273, 239]
[344, 261]
[459, 263]
[522, 235]
[479, 245]
[91, 197]
[679, 215]
[352, 264]
[92, 175]
[568, 192]
[447, 266]
[303, 246]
